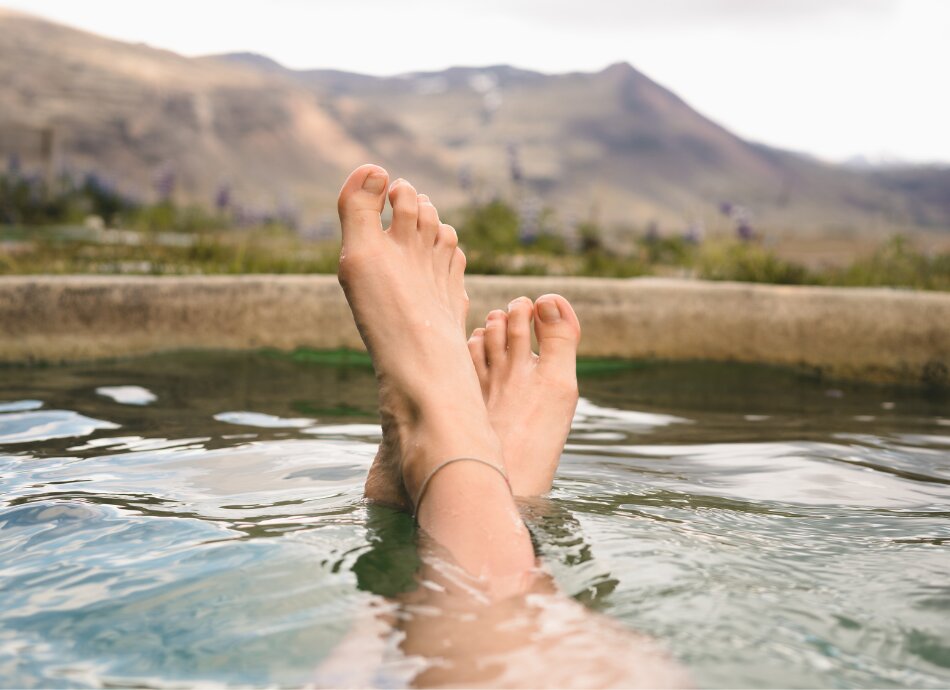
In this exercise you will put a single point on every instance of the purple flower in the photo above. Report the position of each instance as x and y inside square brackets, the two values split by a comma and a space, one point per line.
[693, 234]
[165, 184]
[529, 215]
[514, 164]
[465, 178]
[653, 233]
[287, 215]
[222, 199]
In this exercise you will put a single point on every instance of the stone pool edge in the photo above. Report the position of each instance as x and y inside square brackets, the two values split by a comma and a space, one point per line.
[873, 334]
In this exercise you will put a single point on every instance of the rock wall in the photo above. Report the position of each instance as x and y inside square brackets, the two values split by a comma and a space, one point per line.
[856, 333]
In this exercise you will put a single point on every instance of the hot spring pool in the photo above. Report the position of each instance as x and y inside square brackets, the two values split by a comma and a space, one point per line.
[194, 518]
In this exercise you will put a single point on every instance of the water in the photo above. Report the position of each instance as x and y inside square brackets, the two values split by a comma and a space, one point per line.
[197, 518]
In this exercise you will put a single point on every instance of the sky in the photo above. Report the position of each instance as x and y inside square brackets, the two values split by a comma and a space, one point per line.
[833, 78]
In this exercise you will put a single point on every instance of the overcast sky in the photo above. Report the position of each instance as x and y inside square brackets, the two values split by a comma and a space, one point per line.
[835, 78]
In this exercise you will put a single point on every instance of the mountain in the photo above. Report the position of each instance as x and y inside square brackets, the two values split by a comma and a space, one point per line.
[133, 113]
[611, 146]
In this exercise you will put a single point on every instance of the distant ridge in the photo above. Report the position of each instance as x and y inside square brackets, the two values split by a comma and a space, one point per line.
[255, 60]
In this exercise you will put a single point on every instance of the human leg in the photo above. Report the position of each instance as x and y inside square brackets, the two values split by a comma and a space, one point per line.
[398, 283]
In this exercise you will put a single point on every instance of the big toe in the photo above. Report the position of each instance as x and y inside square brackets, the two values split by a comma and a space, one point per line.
[558, 332]
[361, 202]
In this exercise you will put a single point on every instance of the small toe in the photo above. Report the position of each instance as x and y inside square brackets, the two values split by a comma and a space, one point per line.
[428, 222]
[446, 243]
[405, 203]
[558, 332]
[458, 296]
[520, 313]
[457, 266]
[476, 347]
[361, 202]
[496, 338]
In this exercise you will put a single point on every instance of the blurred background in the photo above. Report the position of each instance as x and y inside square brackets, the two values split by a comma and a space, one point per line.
[788, 142]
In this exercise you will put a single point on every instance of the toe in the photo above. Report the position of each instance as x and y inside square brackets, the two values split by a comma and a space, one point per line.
[428, 222]
[405, 203]
[496, 338]
[360, 203]
[520, 313]
[476, 347]
[458, 297]
[559, 332]
[457, 266]
[446, 242]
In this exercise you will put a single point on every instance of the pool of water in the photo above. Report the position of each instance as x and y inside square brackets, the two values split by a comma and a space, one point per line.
[196, 518]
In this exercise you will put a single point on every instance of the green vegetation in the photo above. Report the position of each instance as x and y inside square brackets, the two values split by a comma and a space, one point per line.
[896, 263]
[490, 236]
[747, 263]
[27, 200]
[66, 250]
[62, 228]
[333, 358]
[65, 229]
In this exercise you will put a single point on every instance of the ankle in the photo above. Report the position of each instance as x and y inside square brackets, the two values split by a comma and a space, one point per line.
[441, 435]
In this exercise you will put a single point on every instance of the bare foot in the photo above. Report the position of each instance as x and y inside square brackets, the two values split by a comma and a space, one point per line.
[530, 398]
[404, 286]
[384, 482]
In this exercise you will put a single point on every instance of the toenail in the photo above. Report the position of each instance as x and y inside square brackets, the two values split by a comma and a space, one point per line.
[395, 184]
[516, 300]
[549, 312]
[374, 183]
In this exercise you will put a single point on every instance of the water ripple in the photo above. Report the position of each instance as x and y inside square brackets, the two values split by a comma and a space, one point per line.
[771, 535]
[27, 427]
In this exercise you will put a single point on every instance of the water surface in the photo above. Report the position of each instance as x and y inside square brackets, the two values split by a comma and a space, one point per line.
[197, 518]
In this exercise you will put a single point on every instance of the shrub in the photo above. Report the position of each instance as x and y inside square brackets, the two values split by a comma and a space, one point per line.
[747, 262]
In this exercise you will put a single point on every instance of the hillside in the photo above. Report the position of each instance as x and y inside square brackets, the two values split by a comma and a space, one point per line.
[133, 113]
[611, 146]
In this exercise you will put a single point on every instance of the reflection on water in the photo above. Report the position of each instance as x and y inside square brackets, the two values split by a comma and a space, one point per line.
[42, 425]
[127, 395]
[198, 518]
